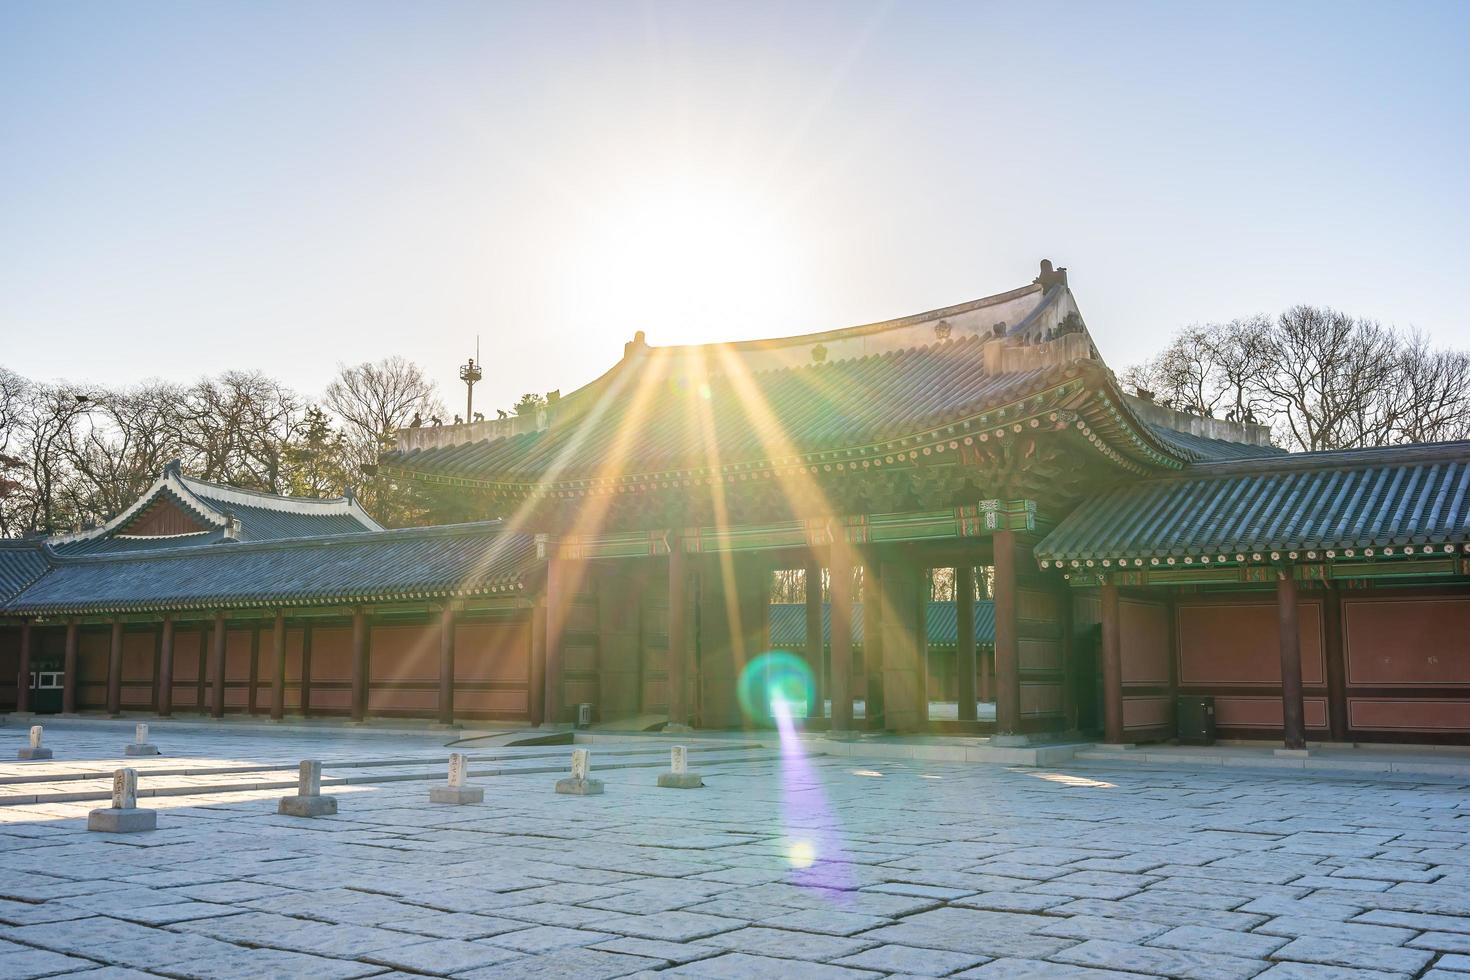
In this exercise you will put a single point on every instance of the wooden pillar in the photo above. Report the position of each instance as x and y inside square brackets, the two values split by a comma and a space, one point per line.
[839, 570]
[165, 695]
[251, 692]
[1292, 717]
[69, 670]
[1336, 666]
[306, 669]
[23, 670]
[536, 695]
[360, 654]
[278, 666]
[446, 664]
[217, 666]
[1007, 646]
[964, 616]
[677, 659]
[1112, 665]
[987, 667]
[558, 611]
[905, 681]
[873, 642]
[114, 670]
[816, 641]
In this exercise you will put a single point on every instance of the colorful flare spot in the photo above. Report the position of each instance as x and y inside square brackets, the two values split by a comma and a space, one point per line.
[775, 683]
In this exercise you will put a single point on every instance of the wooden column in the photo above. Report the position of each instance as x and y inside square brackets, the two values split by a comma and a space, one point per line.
[677, 659]
[839, 570]
[278, 666]
[964, 616]
[1292, 716]
[558, 610]
[815, 640]
[69, 670]
[446, 664]
[905, 681]
[873, 642]
[1007, 646]
[114, 670]
[23, 670]
[1336, 666]
[360, 654]
[306, 669]
[254, 682]
[1112, 665]
[536, 695]
[165, 695]
[987, 670]
[217, 666]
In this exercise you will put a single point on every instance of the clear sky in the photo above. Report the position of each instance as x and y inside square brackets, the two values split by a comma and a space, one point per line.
[187, 187]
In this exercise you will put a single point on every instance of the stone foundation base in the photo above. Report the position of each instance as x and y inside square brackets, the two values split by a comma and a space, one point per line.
[680, 780]
[1293, 753]
[457, 794]
[579, 787]
[131, 821]
[307, 806]
[1010, 741]
[135, 748]
[30, 753]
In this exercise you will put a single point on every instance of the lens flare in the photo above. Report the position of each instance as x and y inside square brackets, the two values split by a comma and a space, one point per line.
[801, 854]
[773, 684]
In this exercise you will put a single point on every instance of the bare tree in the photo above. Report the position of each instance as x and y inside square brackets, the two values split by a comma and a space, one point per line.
[1321, 378]
[372, 401]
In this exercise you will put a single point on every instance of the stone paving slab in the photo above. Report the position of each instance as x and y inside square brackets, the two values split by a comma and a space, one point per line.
[819, 866]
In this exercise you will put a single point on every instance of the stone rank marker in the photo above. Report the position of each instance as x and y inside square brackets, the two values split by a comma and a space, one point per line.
[140, 744]
[34, 750]
[308, 801]
[457, 791]
[124, 816]
[578, 784]
[679, 776]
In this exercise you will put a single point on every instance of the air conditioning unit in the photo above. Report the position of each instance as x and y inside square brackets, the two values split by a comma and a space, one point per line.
[584, 715]
[1196, 719]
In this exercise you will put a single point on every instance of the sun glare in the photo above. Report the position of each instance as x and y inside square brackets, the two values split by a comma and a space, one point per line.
[686, 260]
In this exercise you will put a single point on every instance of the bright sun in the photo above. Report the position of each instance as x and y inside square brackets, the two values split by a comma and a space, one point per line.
[687, 261]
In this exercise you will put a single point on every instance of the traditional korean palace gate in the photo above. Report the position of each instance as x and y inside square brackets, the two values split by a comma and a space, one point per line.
[717, 585]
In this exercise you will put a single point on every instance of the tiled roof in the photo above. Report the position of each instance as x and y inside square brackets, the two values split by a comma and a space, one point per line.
[408, 563]
[1204, 448]
[258, 517]
[1389, 497]
[21, 563]
[670, 424]
[641, 420]
[788, 623]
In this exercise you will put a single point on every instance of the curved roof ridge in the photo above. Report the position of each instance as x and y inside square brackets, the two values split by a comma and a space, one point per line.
[1417, 452]
[269, 544]
[859, 330]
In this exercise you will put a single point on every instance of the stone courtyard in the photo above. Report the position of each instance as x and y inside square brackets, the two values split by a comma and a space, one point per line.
[786, 865]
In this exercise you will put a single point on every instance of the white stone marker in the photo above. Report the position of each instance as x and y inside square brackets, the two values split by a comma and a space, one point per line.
[679, 776]
[579, 784]
[140, 744]
[34, 750]
[457, 790]
[123, 817]
[308, 801]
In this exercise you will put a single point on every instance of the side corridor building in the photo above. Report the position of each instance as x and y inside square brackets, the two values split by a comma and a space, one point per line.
[625, 538]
